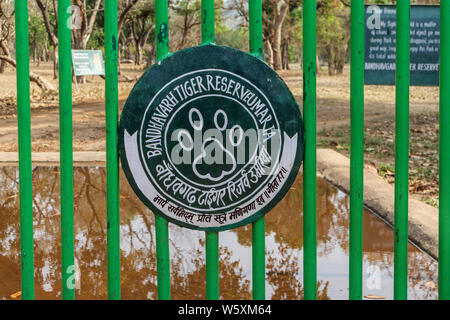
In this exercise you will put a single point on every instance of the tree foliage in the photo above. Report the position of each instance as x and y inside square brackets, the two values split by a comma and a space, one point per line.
[282, 29]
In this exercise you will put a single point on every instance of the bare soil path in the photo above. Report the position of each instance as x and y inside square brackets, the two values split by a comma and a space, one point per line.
[88, 128]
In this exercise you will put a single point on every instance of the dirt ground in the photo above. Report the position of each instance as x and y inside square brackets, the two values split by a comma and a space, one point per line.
[88, 111]
[333, 120]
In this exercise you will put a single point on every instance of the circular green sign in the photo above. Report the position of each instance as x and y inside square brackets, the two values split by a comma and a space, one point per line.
[211, 138]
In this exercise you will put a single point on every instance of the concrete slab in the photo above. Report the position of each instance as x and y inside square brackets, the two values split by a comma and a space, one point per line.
[379, 197]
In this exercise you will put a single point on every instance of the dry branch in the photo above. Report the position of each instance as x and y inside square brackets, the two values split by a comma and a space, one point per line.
[41, 82]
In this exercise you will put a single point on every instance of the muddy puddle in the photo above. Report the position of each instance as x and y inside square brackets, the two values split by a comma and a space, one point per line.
[284, 246]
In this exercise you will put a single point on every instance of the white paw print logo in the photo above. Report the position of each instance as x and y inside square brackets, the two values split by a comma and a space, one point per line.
[234, 136]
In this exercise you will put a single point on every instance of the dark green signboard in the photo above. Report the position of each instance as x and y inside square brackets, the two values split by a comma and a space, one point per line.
[380, 45]
[211, 138]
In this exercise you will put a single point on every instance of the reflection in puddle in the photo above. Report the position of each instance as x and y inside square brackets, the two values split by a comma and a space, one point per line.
[284, 246]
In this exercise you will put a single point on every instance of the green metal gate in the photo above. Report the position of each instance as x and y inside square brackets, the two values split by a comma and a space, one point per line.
[309, 166]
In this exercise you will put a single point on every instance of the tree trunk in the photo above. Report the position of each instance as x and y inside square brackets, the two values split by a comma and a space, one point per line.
[340, 62]
[277, 65]
[4, 51]
[285, 55]
[2, 64]
[280, 10]
[330, 68]
[151, 56]
[330, 60]
[55, 63]
[269, 53]
[45, 54]
[183, 39]
[317, 65]
[138, 55]
[341, 54]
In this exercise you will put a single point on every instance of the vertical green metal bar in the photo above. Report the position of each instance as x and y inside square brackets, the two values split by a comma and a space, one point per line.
[162, 29]
[309, 163]
[259, 259]
[112, 162]
[212, 265]
[161, 225]
[212, 238]
[401, 150]
[24, 130]
[162, 257]
[357, 145]
[66, 157]
[444, 155]
[259, 226]
[255, 28]
[208, 21]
